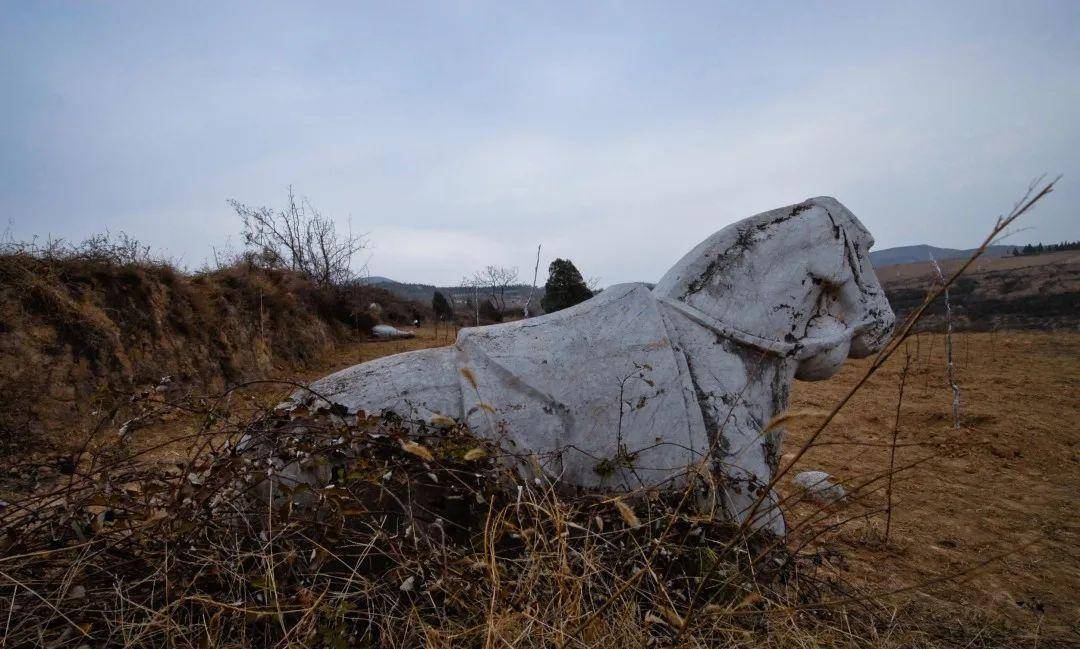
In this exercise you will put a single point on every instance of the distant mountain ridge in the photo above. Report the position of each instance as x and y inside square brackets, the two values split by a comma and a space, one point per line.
[923, 252]
[516, 294]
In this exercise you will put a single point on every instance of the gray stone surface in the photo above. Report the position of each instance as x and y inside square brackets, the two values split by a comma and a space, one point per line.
[387, 332]
[819, 486]
[652, 388]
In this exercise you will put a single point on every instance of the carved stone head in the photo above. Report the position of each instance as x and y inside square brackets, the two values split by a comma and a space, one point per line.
[796, 281]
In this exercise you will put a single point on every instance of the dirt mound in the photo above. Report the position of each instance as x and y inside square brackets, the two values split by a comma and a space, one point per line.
[79, 337]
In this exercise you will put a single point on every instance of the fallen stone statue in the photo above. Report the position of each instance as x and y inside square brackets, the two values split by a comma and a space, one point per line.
[646, 388]
[390, 333]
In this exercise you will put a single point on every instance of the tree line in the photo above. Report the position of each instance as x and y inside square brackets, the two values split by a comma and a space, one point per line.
[1039, 248]
[565, 287]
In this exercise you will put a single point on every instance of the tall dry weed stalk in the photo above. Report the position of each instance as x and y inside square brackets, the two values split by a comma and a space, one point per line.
[950, 366]
[895, 435]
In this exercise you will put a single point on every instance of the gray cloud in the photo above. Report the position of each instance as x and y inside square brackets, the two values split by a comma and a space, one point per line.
[618, 136]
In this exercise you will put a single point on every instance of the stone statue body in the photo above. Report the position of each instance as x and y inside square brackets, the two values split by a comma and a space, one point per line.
[637, 386]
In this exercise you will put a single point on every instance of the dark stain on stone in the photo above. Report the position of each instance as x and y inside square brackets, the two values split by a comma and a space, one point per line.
[712, 427]
[836, 228]
[744, 241]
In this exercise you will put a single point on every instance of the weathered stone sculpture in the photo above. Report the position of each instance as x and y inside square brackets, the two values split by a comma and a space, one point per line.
[386, 332]
[638, 387]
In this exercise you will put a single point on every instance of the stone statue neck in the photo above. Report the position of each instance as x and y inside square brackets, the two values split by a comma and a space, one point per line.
[729, 330]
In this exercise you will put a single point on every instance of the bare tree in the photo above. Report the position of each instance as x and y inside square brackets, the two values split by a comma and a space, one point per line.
[492, 280]
[301, 239]
[473, 284]
[497, 279]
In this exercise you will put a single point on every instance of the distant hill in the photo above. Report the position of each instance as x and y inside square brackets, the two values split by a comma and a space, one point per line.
[516, 294]
[922, 252]
[1003, 292]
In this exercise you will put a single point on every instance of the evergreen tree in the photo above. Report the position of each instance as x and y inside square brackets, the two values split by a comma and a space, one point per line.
[441, 307]
[564, 288]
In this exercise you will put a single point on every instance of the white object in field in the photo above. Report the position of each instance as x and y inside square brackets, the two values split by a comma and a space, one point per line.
[819, 486]
[646, 387]
[386, 331]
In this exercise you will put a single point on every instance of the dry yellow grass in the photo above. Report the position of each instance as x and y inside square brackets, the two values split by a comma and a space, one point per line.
[1009, 476]
[1002, 485]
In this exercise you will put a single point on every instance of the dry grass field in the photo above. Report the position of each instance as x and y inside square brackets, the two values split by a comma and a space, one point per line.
[1028, 293]
[925, 269]
[1006, 483]
[981, 551]
[1002, 488]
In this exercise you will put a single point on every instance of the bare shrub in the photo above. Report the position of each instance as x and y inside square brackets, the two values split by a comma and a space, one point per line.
[299, 238]
[118, 249]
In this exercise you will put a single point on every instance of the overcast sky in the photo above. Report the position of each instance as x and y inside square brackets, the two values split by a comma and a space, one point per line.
[458, 134]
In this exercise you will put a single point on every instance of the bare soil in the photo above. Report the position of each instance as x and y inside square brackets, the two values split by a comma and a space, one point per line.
[1006, 483]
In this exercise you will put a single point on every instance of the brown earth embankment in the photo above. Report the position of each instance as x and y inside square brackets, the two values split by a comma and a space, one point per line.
[78, 338]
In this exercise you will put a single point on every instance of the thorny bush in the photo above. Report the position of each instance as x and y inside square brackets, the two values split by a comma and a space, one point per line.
[413, 539]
